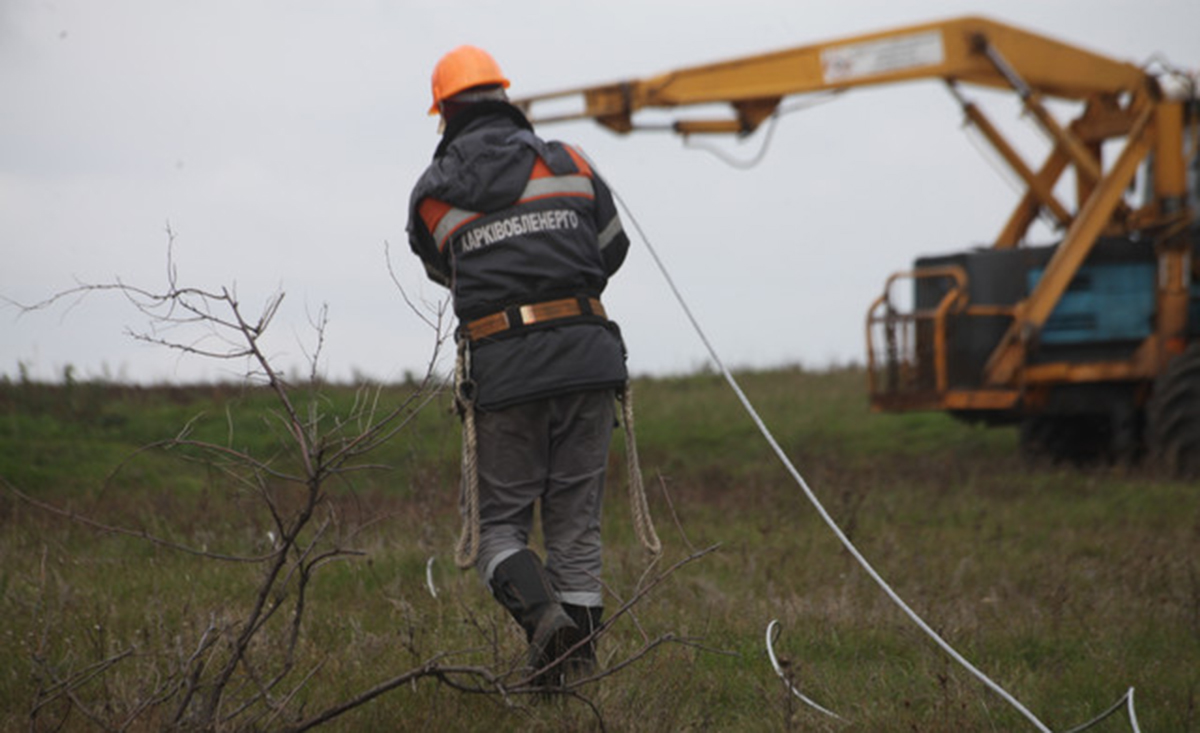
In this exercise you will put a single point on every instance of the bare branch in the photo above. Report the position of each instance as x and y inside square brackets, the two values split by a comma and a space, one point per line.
[318, 325]
[64, 687]
[440, 309]
[428, 669]
[626, 607]
[662, 482]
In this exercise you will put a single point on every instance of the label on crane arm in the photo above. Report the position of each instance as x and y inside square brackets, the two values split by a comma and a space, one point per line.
[872, 58]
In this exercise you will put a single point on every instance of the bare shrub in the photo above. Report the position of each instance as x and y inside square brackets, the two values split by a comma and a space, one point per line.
[242, 666]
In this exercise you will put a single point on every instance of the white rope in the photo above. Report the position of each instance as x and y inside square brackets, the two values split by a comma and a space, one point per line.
[862, 561]
[812, 497]
[1132, 713]
[429, 577]
[1127, 700]
[779, 671]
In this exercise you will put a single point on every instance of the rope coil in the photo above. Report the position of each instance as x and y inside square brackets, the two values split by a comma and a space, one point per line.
[466, 551]
[643, 526]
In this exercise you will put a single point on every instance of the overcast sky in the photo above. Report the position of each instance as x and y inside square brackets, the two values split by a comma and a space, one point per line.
[279, 141]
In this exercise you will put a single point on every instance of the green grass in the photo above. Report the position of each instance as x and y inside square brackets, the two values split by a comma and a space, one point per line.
[1065, 586]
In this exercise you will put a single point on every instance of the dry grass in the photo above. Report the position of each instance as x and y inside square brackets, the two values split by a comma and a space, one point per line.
[1064, 586]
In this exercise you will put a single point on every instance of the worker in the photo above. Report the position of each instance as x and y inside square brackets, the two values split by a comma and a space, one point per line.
[525, 235]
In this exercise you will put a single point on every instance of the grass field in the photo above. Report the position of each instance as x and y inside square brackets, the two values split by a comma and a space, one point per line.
[1065, 586]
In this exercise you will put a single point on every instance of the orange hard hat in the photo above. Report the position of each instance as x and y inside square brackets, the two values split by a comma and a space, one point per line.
[461, 69]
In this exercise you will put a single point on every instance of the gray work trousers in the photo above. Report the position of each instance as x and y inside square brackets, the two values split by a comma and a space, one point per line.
[555, 451]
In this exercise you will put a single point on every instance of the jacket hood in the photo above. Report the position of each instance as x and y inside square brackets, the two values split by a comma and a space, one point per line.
[484, 159]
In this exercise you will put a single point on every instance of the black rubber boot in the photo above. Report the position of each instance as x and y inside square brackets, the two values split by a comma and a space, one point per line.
[521, 586]
[582, 662]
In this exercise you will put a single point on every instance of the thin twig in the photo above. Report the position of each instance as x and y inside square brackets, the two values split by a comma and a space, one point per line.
[662, 482]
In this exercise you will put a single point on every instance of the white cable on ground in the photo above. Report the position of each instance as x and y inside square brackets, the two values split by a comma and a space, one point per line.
[429, 577]
[812, 497]
[1127, 700]
[1132, 713]
[779, 671]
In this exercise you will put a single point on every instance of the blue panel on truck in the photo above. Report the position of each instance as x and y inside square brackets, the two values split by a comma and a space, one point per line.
[1105, 302]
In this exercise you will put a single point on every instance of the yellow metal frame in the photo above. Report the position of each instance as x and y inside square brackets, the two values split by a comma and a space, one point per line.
[910, 382]
[902, 360]
[1119, 101]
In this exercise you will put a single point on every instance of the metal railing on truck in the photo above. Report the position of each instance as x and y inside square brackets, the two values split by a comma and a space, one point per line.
[908, 356]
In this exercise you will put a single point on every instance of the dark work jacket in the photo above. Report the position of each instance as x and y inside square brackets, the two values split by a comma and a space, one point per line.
[505, 219]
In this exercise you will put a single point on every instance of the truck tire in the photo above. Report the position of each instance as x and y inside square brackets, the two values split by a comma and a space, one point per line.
[1174, 416]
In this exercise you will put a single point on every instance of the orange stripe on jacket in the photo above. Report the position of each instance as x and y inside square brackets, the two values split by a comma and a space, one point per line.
[432, 211]
[540, 170]
[580, 161]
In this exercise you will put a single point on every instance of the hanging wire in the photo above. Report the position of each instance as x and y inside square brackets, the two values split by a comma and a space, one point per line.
[1159, 65]
[735, 162]
[773, 122]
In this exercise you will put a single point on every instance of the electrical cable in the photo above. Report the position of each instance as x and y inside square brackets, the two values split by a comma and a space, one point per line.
[767, 137]
[837, 531]
[1126, 699]
[429, 578]
[732, 161]
[783, 676]
[812, 497]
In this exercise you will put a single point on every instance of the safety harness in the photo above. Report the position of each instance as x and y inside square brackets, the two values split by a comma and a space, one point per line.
[528, 315]
[466, 551]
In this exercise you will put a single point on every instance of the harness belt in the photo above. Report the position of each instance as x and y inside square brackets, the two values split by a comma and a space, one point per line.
[527, 315]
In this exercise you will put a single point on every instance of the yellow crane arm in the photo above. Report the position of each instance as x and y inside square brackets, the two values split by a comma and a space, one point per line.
[1119, 100]
[970, 50]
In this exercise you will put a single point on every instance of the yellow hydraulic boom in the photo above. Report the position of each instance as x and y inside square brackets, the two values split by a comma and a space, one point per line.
[969, 50]
[1120, 101]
